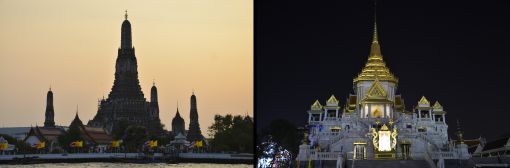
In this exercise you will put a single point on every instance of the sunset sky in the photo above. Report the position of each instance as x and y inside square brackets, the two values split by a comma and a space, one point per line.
[205, 45]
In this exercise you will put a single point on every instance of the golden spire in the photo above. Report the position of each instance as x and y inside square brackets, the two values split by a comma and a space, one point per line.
[375, 49]
[125, 15]
[375, 65]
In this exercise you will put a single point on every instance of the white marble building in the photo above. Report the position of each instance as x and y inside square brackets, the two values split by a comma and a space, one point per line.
[373, 123]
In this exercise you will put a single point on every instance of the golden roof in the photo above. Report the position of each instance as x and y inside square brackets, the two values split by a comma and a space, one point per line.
[375, 66]
[376, 91]
[316, 105]
[332, 100]
[437, 105]
[423, 102]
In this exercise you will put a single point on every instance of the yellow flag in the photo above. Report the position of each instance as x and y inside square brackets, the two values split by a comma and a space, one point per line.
[154, 144]
[41, 145]
[115, 143]
[3, 146]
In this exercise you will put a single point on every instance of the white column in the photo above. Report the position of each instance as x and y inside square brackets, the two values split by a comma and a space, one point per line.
[430, 114]
[384, 111]
[320, 116]
[309, 117]
[325, 114]
[369, 111]
[444, 120]
[419, 113]
[336, 113]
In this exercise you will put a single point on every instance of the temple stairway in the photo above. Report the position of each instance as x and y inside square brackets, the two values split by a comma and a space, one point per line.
[387, 163]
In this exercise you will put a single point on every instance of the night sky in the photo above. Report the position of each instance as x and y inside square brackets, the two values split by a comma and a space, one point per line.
[453, 52]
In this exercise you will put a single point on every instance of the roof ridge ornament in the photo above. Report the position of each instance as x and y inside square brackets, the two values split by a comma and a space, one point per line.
[316, 105]
[423, 102]
[125, 15]
[376, 91]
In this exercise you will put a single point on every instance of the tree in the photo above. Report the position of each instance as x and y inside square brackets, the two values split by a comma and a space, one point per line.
[120, 129]
[73, 134]
[231, 133]
[134, 137]
[284, 133]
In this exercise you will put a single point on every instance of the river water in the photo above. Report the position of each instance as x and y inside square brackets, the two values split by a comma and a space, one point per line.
[127, 165]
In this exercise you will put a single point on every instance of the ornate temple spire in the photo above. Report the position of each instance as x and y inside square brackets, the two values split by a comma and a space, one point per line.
[126, 34]
[375, 66]
[50, 113]
[154, 93]
[126, 83]
[194, 132]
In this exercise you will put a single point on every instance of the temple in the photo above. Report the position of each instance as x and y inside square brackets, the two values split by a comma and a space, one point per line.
[49, 115]
[373, 124]
[126, 100]
[194, 132]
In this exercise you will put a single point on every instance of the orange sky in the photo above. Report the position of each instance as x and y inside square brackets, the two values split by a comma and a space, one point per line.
[206, 45]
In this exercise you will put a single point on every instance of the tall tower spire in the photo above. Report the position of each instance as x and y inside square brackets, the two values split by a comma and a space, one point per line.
[126, 84]
[375, 65]
[375, 49]
[194, 132]
[50, 113]
[154, 93]
[126, 33]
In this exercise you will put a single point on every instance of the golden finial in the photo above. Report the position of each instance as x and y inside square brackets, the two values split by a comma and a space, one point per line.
[125, 15]
[375, 21]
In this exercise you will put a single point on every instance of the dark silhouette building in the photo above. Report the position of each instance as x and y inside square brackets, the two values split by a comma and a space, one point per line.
[126, 100]
[194, 132]
[178, 124]
[49, 115]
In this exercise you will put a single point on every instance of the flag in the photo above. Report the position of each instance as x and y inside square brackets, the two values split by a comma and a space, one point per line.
[41, 145]
[115, 144]
[4, 146]
[199, 143]
[76, 144]
[153, 144]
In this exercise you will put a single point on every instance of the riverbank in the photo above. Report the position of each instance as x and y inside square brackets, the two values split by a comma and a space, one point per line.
[128, 158]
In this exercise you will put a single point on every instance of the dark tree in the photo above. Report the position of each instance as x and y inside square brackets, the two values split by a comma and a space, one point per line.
[134, 138]
[232, 133]
[65, 140]
[284, 133]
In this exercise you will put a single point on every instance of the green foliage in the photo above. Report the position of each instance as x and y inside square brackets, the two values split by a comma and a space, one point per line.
[19, 144]
[134, 138]
[10, 139]
[73, 134]
[231, 133]
[118, 132]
